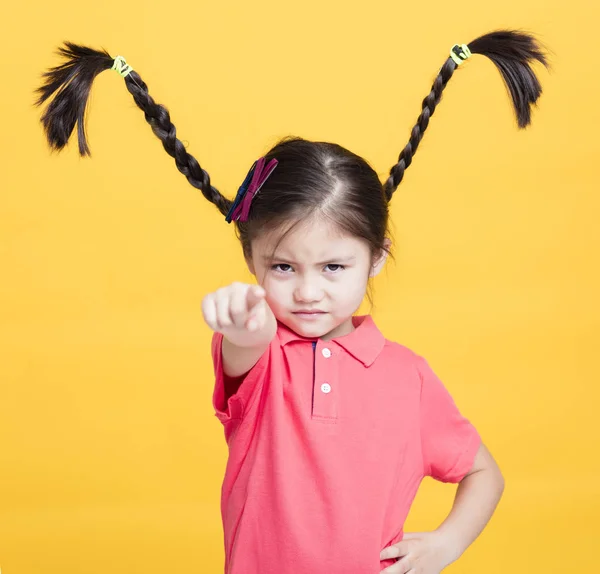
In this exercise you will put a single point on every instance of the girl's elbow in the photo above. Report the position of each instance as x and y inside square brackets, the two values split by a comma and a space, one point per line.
[500, 483]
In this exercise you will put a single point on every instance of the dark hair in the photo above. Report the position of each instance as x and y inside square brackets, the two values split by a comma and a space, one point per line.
[312, 177]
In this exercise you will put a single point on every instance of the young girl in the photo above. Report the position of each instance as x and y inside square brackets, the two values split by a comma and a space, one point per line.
[330, 426]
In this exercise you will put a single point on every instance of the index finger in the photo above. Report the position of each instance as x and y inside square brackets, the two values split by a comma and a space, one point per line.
[254, 296]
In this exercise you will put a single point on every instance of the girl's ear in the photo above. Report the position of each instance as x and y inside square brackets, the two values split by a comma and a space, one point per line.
[379, 262]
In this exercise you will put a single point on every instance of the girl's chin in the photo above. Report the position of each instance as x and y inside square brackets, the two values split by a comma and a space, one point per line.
[310, 325]
[326, 327]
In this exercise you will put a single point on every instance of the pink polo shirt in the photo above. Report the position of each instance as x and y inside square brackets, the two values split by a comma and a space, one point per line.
[328, 443]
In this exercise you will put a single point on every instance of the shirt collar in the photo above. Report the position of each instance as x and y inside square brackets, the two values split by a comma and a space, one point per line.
[364, 343]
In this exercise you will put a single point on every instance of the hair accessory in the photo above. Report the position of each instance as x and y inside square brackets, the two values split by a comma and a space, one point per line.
[121, 66]
[460, 53]
[255, 179]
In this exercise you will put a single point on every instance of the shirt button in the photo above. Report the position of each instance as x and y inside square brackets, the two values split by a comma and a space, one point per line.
[326, 353]
[326, 388]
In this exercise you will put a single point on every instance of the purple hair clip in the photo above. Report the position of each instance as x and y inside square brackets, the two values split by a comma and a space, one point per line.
[255, 179]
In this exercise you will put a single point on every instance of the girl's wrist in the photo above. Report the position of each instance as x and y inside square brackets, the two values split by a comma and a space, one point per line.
[449, 546]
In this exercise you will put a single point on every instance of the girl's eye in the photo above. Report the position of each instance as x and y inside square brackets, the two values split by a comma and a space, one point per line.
[288, 267]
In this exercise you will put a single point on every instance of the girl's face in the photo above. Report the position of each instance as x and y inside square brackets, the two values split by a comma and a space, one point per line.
[317, 270]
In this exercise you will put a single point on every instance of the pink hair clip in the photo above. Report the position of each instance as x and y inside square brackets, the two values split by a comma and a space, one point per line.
[255, 179]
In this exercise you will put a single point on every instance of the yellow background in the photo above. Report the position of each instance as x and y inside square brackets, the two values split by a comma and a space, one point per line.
[111, 458]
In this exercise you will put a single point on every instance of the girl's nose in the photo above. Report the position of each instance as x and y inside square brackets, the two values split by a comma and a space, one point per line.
[307, 291]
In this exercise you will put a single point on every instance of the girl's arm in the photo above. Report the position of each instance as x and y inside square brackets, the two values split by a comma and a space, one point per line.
[477, 496]
[242, 350]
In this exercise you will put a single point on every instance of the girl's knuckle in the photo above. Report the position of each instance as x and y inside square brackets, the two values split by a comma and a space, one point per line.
[237, 310]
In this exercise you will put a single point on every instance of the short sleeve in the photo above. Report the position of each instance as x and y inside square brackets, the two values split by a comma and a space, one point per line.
[233, 407]
[449, 440]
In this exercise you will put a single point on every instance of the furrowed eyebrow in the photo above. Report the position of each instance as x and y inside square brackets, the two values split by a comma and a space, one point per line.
[334, 260]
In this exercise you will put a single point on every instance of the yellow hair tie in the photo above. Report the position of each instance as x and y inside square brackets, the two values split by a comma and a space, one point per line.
[121, 66]
[460, 53]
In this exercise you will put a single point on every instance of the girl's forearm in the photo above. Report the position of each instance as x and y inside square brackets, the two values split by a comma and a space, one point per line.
[477, 497]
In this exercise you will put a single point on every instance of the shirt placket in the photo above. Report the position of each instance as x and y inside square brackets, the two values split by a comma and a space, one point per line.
[326, 388]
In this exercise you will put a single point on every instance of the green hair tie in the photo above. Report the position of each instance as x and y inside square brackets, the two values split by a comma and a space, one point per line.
[460, 53]
[121, 66]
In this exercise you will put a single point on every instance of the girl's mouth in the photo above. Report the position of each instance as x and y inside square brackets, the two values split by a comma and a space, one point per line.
[309, 314]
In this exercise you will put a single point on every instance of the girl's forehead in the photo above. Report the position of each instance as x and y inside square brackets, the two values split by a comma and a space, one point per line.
[312, 239]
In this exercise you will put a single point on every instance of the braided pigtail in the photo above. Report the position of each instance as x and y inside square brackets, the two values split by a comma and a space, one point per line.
[73, 80]
[511, 52]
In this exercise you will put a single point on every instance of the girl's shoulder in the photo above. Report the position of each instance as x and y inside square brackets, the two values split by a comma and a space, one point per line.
[400, 355]
[400, 350]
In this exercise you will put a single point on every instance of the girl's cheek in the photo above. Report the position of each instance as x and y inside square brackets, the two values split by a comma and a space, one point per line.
[274, 294]
[357, 290]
